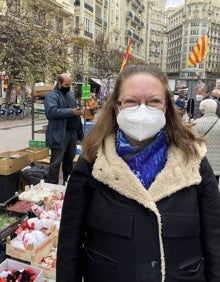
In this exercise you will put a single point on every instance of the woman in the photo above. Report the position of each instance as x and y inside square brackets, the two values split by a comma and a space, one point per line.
[209, 126]
[142, 204]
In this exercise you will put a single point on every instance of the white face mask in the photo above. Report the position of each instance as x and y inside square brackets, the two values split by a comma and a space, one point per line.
[199, 97]
[142, 123]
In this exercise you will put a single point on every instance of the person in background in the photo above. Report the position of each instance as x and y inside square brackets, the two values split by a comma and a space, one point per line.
[215, 94]
[90, 107]
[63, 123]
[142, 202]
[201, 93]
[180, 103]
[209, 126]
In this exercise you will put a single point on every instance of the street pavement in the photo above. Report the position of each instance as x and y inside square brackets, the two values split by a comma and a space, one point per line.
[15, 134]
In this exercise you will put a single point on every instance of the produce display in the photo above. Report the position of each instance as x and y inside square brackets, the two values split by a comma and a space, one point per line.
[23, 275]
[20, 206]
[41, 191]
[34, 237]
[33, 231]
[6, 220]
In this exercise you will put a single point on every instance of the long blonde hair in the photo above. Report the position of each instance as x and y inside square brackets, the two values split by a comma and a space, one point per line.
[179, 134]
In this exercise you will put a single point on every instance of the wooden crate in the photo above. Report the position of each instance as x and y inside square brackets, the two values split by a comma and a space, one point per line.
[12, 161]
[35, 154]
[48, 272]
[43, 90]
[26, 254]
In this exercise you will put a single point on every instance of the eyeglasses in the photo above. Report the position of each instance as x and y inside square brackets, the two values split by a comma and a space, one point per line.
[134, 104]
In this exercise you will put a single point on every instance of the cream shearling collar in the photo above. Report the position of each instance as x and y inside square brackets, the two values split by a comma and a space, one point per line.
[110, 169]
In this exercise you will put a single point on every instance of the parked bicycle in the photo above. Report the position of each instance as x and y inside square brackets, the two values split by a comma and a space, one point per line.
[11, 114]
[19, 112]
[3, 112]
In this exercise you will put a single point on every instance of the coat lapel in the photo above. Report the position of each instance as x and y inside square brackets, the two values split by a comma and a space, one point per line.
[110, 169]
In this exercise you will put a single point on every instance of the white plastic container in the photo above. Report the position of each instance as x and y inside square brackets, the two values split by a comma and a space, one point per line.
[11, 264]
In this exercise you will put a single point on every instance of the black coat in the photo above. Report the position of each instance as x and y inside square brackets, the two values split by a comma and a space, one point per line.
[114, 230]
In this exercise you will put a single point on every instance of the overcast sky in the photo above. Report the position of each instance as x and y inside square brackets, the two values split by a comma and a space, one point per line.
[174, 3]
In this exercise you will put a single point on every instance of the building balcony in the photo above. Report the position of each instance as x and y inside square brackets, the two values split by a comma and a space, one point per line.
[128, 33]
[129, 15]
[136, 3]
[88, 34]
[98, 20]
[141, 8]
[137, 20]
[88, 7]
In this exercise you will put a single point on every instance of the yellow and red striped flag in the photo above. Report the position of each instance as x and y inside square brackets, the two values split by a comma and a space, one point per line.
[127, 55]
[199, 51]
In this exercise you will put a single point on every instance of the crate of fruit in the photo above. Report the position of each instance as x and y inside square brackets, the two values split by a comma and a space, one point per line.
[17, 250]
[9, 222]
[25, 272]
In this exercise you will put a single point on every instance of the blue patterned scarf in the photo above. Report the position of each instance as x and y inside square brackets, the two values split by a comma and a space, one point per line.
[145, 161]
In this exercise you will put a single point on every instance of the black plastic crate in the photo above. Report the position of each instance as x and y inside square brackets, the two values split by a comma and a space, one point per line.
[9, 184]
[11, 200]
[10, 230]
[2, 251]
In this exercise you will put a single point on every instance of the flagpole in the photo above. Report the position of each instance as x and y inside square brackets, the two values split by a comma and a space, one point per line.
[191, 90]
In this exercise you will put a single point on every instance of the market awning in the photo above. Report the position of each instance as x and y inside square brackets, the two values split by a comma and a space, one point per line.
[96, 80]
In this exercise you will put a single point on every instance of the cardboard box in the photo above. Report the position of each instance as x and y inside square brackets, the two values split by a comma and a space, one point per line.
[44, 161]
[11, 264]
[43, 90]
[12, 161]
[27, 254]
[35, 154]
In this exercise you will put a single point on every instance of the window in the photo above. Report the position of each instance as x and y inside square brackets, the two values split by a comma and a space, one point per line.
[59, 24]
[78, 55]
[88, 25]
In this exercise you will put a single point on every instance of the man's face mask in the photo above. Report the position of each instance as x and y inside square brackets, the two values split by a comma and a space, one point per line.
[199, 97]
[64, 90]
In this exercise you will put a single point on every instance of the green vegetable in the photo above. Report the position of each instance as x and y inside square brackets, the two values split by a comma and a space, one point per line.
[6, 220]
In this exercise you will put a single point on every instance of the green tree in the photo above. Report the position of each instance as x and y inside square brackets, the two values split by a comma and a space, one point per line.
[35, 43]
[107, 60]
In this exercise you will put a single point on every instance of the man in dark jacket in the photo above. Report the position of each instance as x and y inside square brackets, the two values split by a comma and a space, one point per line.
[63, 122]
